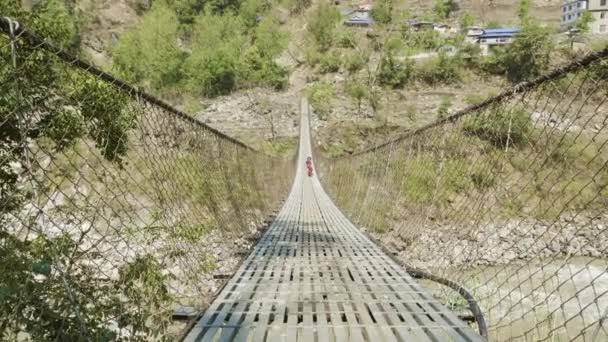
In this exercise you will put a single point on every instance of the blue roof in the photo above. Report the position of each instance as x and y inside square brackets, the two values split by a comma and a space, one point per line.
[497, 33]
[500, 30]
[358, 21]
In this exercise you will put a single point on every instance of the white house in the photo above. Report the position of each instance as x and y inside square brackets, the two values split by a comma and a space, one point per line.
[572, 10]
[473, 34]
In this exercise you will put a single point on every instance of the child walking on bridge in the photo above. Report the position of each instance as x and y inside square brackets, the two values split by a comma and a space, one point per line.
[309, 166]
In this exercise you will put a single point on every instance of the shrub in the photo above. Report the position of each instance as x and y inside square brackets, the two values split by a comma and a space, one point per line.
[214, 73]
[493, 64]
[149, 54]
[470, 55]
[382, 12]
[330, 62]
[259, 69]
[443, 69]
[347, 40]
[312, 56]
[393, 73]
[322, 25]
[269, 38]
[298, 6]
[214, 66]
[444, 107]
[320, 95]
[529, 54]
[249, 10]
[355, 61]
[423, 40]
[357, 91]
[501, 127]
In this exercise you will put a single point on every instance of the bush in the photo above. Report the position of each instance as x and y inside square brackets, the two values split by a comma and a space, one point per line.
[426, 40]
[214, 66]
[382, 12]
[298, 6]
[312, 56]
[258, 69]
[501, 127]
[347, 40]
[330, 62]
[444, 107]
[470, 55]
[148, 54]
[320, 96]
[214, 73]
[322, 25]
[443, 69]
[528, 56]
[355, 61]
[357, 91]
[393, 73]
[249, 10]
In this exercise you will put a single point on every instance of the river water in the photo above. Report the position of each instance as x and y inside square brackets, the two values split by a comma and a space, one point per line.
[540, 300]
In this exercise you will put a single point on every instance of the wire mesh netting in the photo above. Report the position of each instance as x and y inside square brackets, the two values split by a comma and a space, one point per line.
[111, 202]
[507, 198]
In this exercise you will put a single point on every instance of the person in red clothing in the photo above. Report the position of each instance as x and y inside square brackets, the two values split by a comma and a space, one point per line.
[309, 166]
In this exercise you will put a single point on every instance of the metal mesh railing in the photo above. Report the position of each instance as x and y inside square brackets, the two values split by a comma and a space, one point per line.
[113, 205]
[508, 198]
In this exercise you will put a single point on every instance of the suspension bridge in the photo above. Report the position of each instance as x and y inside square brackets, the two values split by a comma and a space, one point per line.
[315, 277]
[114, 203]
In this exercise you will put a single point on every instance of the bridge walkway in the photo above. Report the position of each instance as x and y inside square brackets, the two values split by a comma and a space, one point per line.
[313, 276]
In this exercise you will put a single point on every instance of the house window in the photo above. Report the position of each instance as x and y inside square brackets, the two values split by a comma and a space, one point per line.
[602, 28]
[602, 15]
[570, 8]
[569, 16]
[483, 40]
[579, 5]
[578, 14]
[602, 2]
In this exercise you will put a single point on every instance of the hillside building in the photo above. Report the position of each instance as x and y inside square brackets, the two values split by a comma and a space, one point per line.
[572, 10]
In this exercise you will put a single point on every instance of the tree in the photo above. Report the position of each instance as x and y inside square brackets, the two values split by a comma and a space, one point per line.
[148, 54]
[269, 37]
[357, 91]
[64, 105]
[251, 10]
[322, 25]
[214, 66]
[584, 21]
[467, 19]
[186, 10]
[523, 10]
[443, 8]
[393, 72]
[383, 11]
[528, 55]
[320, 95]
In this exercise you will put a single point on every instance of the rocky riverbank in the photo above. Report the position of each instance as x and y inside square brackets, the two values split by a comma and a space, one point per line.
[501, 243]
